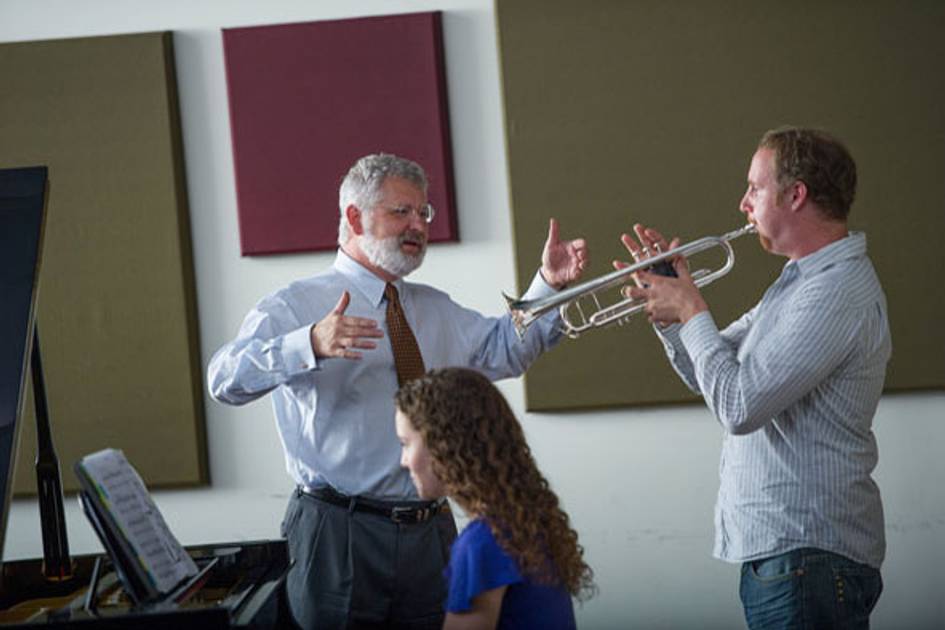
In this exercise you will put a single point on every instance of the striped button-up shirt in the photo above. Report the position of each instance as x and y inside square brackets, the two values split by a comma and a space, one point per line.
[795, 383]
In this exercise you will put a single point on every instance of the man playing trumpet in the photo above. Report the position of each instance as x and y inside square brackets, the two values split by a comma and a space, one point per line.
[794, 384]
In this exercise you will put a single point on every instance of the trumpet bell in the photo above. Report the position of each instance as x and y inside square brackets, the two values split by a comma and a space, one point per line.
[522, 316]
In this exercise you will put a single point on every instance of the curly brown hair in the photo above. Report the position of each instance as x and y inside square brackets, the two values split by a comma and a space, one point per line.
[819, 160]
[480, 455]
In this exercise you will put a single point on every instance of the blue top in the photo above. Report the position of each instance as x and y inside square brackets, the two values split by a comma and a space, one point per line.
[336, 416]
[478, 564]
[795, 383]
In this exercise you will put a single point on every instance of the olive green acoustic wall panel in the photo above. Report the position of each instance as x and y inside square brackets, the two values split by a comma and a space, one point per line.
[646, 111]
[116, 309]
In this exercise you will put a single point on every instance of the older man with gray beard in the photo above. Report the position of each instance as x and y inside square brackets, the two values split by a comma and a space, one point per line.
[332, 350]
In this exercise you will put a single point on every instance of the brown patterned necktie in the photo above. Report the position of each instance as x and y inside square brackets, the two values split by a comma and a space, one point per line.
[407, 358]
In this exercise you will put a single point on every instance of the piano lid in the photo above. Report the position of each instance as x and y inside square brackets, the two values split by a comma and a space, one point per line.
[22, 213]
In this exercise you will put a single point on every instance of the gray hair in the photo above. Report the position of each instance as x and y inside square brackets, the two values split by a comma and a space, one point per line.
[362, 185]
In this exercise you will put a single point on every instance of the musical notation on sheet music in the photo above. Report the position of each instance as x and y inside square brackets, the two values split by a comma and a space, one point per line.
[122, 493]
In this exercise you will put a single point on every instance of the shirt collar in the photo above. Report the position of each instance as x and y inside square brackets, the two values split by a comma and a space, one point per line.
[363, 279]
[853, 245]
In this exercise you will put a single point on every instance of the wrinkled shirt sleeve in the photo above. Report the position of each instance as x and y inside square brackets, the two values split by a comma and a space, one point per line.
[809, 338]
[263, 356]
[679, 356]
[496, 349]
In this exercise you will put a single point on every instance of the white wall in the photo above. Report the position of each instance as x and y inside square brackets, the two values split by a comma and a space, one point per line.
[639, 484]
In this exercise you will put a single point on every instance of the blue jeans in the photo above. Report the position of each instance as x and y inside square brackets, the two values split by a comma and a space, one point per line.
[808, 588]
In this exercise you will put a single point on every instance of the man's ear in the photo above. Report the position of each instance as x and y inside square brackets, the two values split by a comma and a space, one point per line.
[354, 217]
[798, 194]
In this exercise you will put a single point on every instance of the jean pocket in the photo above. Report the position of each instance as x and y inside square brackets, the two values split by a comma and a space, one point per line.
[772, 571]
[771, 593]
[857, 589]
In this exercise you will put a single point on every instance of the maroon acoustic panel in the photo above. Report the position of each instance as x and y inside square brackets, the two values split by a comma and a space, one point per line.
[307, 100]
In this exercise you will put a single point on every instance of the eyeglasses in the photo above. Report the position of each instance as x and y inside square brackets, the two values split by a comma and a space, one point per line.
[425, 212]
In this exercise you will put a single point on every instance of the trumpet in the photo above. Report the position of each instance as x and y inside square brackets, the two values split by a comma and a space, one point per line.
[571, 303]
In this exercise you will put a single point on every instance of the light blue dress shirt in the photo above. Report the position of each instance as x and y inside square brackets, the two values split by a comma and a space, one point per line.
[795, 383]
[336, 416]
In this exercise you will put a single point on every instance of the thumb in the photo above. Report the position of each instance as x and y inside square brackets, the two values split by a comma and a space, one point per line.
[645, 278]
[342, 304]
[552, 232]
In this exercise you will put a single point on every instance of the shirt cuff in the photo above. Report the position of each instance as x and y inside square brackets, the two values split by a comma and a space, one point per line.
[670, 332]
[669, 335]
[538, 288]
[297, 353]
[699, 334]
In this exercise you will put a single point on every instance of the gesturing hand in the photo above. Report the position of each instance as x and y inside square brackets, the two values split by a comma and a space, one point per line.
[337, 333]
[562, 262]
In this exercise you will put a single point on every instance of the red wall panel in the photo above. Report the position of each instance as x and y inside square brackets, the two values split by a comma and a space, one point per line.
[307, 100]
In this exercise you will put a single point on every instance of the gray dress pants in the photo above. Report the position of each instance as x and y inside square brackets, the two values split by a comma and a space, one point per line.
[355, 569]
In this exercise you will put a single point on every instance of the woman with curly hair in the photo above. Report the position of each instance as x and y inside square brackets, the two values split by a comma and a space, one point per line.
[518, 562]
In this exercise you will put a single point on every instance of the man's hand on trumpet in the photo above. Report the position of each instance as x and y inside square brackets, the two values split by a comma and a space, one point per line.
[668, 300]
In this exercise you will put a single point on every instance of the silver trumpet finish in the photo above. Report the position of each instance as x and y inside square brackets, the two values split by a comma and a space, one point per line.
[569, 301]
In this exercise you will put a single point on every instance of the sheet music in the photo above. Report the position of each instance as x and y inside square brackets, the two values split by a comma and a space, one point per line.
[125, 496]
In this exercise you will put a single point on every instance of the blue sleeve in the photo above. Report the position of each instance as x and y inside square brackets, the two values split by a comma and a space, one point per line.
[477, 564]
[272, 347]
[494, 348]
[812, 334]
[679, 357]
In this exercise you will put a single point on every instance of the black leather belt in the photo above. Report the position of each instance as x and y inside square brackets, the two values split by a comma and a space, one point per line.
[406, 512]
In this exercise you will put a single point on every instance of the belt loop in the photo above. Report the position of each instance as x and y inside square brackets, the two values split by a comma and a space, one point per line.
[352, 504]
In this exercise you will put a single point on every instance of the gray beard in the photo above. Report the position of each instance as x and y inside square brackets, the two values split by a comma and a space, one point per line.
[386, 254]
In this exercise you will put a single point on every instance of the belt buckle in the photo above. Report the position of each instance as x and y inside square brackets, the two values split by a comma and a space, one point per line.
[403, 514]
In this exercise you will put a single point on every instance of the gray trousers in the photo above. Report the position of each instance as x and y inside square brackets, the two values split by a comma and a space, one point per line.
[354, 569]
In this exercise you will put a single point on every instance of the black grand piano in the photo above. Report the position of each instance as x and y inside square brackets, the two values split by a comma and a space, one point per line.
[241, 585]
